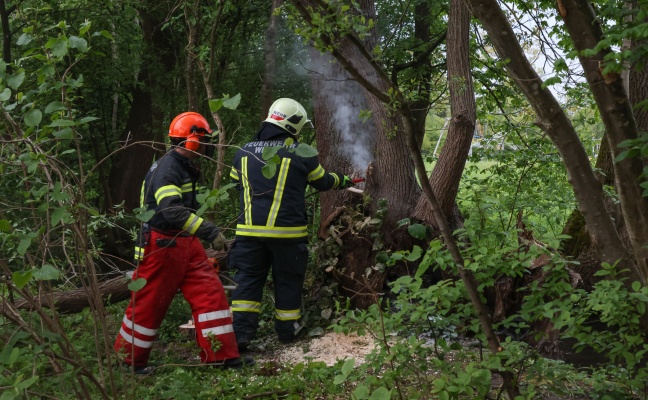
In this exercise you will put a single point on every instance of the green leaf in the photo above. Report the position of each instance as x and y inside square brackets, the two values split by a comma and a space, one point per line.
[61, 122]
[288, 142]
[137, 284]
[9, 395]
[58, 46]
[54, 106]
[65, 133]
[106, 34]
[361, 393]
[24, 245]
[417, 231]
[269, 170]
[348, 365]
[381, 394]
[59, 214]
[85, 27]
[46, 273]
[306, 151]
[78, 43]
[215, 104]
[5, 225]
[15, 80]
[339, 379]
[145, 216]
[5, 95]
[85, 120]
[415, 254]
[551, 81]
[269, 152]
[27, 383]
[232, 102]
[33, 117]
[21, 278]
[24, 39]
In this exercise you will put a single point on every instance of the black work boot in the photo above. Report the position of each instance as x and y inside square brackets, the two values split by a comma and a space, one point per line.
[235, 363]
[145, 370]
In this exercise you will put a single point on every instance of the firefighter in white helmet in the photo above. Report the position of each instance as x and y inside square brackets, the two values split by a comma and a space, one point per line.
[271, 233]
[171, 257]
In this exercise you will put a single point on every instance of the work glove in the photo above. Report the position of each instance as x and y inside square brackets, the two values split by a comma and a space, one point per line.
[345, 181]
[220, 243]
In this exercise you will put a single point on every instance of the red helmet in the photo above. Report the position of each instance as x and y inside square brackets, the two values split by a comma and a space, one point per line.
[190, 126]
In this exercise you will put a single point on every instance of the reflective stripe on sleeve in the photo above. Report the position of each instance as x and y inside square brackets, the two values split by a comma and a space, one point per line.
[187, 188]
[210, 316]
[139, 253]
[287, 315]
[137, 342]
[166, 191]
[336, 179]
[316, 173]
[279, 190]
[246, 306]
[192, 224]
[234, 174]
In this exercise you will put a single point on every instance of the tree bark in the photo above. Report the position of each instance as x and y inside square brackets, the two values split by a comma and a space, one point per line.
[616, 113]
[193, 23]
[552, 119]
[270, 56]
[448, 170]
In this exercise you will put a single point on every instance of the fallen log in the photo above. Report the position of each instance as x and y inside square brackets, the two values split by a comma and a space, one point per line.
[112, 291]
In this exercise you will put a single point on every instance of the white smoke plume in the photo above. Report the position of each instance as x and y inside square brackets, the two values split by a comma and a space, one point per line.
[346, 101]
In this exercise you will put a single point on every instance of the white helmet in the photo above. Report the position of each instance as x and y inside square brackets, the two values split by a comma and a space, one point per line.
[288, 114]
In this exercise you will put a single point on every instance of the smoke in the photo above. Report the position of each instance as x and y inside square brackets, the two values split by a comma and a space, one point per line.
[346, 102]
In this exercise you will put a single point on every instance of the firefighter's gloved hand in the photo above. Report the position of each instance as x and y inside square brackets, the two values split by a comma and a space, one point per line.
[220, 243]
[345, 181]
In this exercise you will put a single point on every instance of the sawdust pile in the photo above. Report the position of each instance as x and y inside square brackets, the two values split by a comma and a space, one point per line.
[328, 348]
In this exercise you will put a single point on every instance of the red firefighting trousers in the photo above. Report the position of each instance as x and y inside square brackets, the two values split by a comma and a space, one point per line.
[172, 263]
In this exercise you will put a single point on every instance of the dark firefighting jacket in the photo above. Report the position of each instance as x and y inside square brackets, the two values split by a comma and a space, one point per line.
[275, 207]
[169, 189]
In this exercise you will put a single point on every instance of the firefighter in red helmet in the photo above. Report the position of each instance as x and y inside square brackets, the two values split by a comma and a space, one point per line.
[171, 257]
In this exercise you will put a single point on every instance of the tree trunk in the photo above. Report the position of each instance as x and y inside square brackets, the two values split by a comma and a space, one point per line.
[616, 113]
[192, 18]
[6, 33]
[270, 55]
[375, 150]
[142, 131]
[552, 119]
[448, 170]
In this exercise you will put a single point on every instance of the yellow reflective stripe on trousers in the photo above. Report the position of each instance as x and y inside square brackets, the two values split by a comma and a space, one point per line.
[246, 306]
[192, 224]
[279, 190]
[166, 191]
[316, 173]
[287, 315]
[246, 191]
[271, 231]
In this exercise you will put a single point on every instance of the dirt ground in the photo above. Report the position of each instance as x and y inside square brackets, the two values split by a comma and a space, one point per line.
[328, 348]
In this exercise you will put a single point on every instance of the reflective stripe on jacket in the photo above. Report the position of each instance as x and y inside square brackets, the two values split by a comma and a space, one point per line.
[169, 189]
[276, 207]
